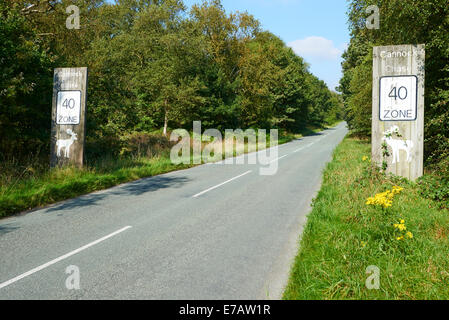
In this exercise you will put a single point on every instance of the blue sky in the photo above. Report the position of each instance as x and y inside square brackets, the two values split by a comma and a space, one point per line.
[315, 29]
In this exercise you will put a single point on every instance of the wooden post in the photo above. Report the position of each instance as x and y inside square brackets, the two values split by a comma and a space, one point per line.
[68, 120]
[398, 108]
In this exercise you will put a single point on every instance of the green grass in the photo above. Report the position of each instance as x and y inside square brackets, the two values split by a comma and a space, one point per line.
[343, 236]
[60, 184]
[25, 187]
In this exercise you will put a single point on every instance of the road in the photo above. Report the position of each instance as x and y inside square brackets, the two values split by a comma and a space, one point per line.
[209, 232]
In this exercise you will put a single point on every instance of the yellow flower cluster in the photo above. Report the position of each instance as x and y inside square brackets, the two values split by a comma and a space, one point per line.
[384, 199]
[401, 226]
[364, 158]
[402, 230]
[397, 190]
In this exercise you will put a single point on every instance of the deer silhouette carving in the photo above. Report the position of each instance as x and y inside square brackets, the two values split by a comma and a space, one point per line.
[398, 145]
[66, 143]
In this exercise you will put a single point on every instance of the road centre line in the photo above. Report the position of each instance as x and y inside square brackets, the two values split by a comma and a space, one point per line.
[45, 265]
[244, 155]
[310, 144]
[297, 150]
[219, 185]
[264, 150]
[278, 158]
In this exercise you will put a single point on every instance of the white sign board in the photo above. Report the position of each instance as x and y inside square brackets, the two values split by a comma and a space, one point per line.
[397, 132]
[68, 107]
[398, 96]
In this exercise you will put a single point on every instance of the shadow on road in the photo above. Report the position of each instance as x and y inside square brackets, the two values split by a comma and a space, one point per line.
[150, 184]
[7, 227]
[135, 188]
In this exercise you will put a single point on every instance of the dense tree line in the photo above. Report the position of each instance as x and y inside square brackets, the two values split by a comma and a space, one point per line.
[153, 65]
[401, 22]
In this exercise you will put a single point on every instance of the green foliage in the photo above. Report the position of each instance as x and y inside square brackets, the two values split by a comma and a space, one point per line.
[25, 86]
[359, 98]
[436, 188]
[141, 144]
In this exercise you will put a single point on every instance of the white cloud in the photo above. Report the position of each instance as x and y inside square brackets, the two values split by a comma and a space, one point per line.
[316, 48]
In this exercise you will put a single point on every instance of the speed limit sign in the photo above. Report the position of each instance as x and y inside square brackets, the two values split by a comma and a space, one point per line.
[398, 98]
[68, 107]
[397, 115]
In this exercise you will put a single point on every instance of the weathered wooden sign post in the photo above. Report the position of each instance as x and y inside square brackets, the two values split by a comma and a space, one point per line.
[68, 116]
[398, 109]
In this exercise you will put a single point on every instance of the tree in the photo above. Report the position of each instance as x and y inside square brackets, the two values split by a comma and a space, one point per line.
[25, 86]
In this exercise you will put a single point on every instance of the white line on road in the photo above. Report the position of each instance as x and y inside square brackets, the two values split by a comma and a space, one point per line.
[303, 147]
[246, 155]
[45, 265]
[278, 158]
[219, 185]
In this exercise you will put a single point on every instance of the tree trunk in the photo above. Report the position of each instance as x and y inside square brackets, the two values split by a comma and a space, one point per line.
[165, 119]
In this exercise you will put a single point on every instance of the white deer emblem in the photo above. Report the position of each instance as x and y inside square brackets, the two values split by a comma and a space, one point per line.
[66, 144]
[397, 145]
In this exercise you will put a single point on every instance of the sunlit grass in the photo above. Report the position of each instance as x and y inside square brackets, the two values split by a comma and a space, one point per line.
[59, 184]
[344, 235]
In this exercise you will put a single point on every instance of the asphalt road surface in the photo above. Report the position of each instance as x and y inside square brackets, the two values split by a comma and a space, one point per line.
[215, 231]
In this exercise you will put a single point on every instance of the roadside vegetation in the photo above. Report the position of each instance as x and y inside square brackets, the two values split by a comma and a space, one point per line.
[363, 218]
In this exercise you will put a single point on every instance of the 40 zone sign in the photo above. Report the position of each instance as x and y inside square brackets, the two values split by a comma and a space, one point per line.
[68, 107]
[398, 98]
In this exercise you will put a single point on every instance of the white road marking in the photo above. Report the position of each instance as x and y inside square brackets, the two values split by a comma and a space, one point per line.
[45, 265]
[323, 135]
[243, 155]
[278, 158]
[219, 185]
[297, 150]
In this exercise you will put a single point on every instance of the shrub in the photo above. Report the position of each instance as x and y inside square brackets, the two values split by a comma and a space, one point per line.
[436, 188]
[141, 144]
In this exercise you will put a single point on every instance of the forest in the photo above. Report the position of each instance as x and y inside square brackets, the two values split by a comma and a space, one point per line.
[153, 66]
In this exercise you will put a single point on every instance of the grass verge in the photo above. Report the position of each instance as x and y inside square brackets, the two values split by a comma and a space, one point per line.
[344, 236]
[65, 183]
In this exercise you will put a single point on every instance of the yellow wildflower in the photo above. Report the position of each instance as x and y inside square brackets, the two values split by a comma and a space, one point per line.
[384, 199]
[409, 235]
[364, 158]
[400, 226]
[397, 190]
